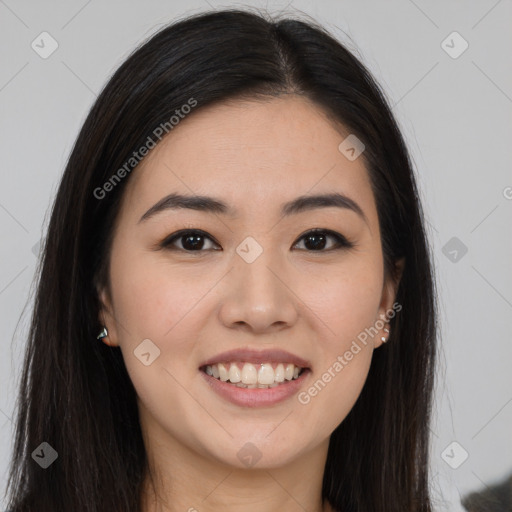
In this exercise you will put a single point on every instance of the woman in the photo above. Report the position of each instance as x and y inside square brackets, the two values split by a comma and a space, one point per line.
[236, 302]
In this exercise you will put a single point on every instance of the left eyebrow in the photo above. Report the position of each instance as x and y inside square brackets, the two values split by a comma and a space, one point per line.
[214, 205]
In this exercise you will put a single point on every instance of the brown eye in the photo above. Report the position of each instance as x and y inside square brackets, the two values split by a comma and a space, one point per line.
[316, 240]
[190, 240]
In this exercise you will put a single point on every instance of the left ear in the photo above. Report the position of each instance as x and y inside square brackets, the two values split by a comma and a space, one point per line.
[389, 291]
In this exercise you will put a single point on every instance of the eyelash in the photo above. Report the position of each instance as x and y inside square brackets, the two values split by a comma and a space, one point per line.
[342, 242]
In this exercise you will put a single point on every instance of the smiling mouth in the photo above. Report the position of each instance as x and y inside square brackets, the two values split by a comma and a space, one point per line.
[248, 375]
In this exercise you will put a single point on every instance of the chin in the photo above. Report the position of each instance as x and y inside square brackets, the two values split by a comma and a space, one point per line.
[258, 452]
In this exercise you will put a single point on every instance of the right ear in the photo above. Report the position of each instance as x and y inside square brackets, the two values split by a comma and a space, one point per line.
[106, 318]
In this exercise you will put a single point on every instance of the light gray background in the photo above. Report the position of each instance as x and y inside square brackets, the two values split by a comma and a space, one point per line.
[455, 114]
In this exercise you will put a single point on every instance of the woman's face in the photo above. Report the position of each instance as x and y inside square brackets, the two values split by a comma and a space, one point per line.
[253, 280]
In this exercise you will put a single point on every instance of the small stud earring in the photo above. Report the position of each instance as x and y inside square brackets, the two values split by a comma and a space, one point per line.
[384, 339]
[102, 334]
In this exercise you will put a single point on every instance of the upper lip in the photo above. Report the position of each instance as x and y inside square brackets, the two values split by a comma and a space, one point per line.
[258, 356]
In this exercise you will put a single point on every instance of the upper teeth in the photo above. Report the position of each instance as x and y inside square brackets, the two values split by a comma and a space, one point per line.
[251, 375]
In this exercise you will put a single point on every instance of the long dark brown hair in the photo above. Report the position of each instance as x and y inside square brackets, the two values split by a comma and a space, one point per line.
[75, 393]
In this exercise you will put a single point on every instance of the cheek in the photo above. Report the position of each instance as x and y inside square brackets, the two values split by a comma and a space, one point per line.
[152, 297]
[345, 298]
[345, 305]
[155, 301]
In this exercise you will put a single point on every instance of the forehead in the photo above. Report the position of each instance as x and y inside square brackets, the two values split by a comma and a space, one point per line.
[251, 153]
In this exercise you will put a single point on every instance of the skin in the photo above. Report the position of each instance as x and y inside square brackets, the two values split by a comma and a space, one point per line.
[254, 156]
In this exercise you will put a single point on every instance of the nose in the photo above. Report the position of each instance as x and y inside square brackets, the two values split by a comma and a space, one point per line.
[258, 296]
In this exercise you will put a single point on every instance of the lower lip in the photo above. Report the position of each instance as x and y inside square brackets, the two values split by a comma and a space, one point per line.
[256, 397]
